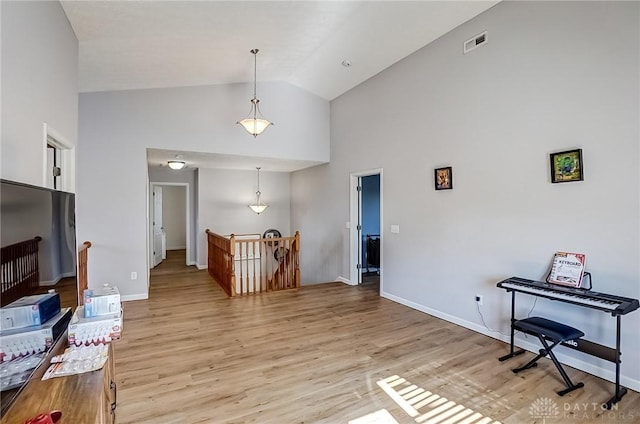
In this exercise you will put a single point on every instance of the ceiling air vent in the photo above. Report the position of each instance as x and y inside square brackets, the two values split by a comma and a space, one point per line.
[475, 42]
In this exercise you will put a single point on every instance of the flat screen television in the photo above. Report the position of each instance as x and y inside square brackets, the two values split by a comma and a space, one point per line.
[27, 212]
[32, 216]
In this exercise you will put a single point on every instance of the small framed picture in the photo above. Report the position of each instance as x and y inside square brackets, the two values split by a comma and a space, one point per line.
[566, 166]
[443, 178]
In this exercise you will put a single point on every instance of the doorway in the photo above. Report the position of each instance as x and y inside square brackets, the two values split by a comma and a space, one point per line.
[58, 161]
[366, 236]
[169, 221]
[370, 229]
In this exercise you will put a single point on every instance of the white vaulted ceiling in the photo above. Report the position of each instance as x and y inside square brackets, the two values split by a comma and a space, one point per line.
[150, 44]
[134, 44]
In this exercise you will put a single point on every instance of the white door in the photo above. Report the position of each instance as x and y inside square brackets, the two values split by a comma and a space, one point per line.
[157, 225]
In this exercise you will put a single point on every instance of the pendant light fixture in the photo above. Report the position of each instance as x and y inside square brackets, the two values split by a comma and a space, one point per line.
[255, 123]
[258, 206]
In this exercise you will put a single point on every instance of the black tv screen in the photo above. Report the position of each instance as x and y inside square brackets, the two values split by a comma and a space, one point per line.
[29, 211]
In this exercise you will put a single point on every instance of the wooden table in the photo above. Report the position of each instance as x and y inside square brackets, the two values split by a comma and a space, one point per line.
[83, 398]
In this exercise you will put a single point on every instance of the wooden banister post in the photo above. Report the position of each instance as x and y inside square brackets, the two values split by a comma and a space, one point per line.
[232, 264]
[296, 256]
[83, 277]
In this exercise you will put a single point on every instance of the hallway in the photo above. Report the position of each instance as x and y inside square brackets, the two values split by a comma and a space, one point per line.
[175, 262]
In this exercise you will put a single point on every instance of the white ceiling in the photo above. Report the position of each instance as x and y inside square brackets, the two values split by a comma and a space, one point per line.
[150, 44]
[192, 160]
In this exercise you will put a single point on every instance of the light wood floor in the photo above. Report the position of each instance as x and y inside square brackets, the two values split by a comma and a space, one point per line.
[191, 355]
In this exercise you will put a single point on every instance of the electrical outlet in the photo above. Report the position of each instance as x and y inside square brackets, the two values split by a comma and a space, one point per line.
[479, 299]
[134, 275]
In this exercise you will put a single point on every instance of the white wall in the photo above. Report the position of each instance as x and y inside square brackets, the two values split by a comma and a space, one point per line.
[174, 216]
[39, 84]
[223, 204]
[543, 83]
[319, 196]
[116, 128]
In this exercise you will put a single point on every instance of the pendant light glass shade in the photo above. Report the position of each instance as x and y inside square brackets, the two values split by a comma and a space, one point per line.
[258, 206]
[253, 124]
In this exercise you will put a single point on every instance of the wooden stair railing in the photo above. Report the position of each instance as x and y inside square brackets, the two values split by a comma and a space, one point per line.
[220, 261]
[83, 280]
[287, 275]
[246, 264]
[19, 270]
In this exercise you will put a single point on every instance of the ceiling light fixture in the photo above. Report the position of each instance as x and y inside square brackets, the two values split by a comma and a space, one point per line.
[254, 124]
[177, 164]
[258, 206]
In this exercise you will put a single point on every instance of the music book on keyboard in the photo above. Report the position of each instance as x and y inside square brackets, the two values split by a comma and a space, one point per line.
[567, 269]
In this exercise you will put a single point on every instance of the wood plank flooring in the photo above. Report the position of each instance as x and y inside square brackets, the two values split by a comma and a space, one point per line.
[191, 355]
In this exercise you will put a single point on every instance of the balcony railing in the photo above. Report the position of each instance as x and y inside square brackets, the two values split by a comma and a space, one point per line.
[245, 264]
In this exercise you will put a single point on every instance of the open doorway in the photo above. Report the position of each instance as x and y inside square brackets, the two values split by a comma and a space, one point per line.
[58, 161]
[366, 227]
[169, 220]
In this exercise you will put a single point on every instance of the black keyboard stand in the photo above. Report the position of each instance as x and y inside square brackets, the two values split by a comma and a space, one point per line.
[590, 348]
[620, 391]
[512, 352]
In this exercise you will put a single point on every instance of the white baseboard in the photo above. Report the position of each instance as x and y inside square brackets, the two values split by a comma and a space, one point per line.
[177, 248]
[605, 373]
[129, 297]
[200, 267]
[55, 281]
[346, 281]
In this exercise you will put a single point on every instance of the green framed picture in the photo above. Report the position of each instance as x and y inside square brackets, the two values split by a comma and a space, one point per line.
[566, 166]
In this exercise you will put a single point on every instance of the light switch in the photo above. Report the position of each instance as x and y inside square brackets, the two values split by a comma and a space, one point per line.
[395, 229]
[347, 225]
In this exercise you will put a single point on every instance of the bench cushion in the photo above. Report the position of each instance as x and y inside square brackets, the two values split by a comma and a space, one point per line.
[553, 330]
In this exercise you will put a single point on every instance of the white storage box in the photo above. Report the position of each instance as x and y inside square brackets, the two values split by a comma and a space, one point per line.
[25, 341]
[29, 310]
[94, 330]
[101, 301]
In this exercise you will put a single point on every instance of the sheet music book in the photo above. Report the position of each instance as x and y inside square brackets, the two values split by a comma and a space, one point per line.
[567, 269]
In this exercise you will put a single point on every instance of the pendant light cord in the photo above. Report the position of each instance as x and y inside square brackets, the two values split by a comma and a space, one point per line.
[258, 192]
[255, 70]
[255, 91]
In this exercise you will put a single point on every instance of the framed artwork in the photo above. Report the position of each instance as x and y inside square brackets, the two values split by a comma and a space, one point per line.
[566, 166]
[443, 178]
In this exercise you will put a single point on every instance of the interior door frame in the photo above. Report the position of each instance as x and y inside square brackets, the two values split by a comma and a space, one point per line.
[189, 224]
[65, 150]
[354, 243]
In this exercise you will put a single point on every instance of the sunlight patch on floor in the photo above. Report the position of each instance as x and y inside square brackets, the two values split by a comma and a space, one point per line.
[426, 407]
[379, 417]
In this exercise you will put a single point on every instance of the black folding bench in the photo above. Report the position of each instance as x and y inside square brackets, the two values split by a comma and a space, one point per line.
[546, 329]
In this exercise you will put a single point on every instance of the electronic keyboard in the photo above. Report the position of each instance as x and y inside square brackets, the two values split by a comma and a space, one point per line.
[616, 305]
